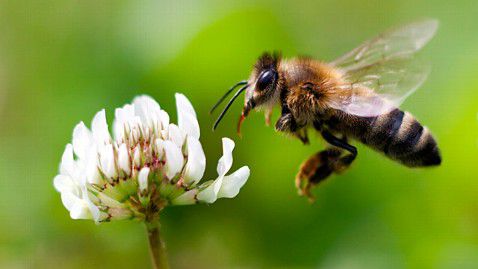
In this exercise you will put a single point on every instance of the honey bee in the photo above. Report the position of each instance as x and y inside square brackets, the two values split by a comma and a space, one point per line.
[355, 96]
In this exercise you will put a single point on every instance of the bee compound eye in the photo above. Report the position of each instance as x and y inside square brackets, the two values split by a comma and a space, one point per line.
[265, 79]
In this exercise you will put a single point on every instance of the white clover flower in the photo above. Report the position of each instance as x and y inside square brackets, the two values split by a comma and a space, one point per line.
[148, 164]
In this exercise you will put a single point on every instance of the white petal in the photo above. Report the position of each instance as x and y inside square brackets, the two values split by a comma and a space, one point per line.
[189, 124]
[174, 159]
[71, 167]
[82, 140]
[147, 109]
[67, 165]
[187, 120]
[92, 173]
[124, 162]
[183, 104]
[186, 198]
[225, 162]
[69, 200]
[164, 119]
[107, 161]
[232, 183]
[80, 210]
[63, 183]
[95, 212]
[209, 194]
[93, 209]
[176, 135]
[164, 133]
[159, 148]
[99, 128]
[123, 116]
[148, 153]
[143, 178]
[146, 131]
[196, 164]
[135, 129]
[137, 156]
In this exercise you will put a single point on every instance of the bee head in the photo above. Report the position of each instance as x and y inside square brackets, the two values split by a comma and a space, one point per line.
[261, 87]
[263, 83]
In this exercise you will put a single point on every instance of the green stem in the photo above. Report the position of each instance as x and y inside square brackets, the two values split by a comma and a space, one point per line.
[157, 246]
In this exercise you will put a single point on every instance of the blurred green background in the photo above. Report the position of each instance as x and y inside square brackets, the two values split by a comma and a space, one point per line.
[62, 61]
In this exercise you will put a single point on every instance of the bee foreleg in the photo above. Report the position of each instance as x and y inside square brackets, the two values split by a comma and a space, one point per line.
[286, 122]
[268, 115]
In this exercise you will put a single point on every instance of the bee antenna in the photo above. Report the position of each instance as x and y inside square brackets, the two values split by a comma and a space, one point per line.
[226, 94]
[228, 105]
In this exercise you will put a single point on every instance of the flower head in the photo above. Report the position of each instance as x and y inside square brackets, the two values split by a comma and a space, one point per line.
[147, 164]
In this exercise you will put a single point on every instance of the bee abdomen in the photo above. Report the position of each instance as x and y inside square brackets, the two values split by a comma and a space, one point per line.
[401, 137]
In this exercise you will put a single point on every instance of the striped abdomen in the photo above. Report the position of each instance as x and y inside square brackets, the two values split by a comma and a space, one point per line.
[397, 134]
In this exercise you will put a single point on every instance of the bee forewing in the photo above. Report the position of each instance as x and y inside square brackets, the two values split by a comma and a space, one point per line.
[399, 42]
[381, 73]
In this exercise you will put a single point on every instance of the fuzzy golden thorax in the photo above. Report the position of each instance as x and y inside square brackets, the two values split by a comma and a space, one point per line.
[304, 85]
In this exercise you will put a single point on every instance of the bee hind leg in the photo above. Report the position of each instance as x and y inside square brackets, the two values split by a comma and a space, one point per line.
[315, 169]
[343, 162]
[322, 164]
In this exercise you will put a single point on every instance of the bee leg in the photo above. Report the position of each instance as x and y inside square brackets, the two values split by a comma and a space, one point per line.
[322, 164]
[303, 136]
[344, 162]
[315, 169]
[286, 122]
[268, 115]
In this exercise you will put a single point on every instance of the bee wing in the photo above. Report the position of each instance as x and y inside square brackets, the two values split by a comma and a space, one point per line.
[379, 88]
[381, 73]
[399, 42]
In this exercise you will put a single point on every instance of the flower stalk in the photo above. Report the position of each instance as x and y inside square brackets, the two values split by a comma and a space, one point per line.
[157, 245]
